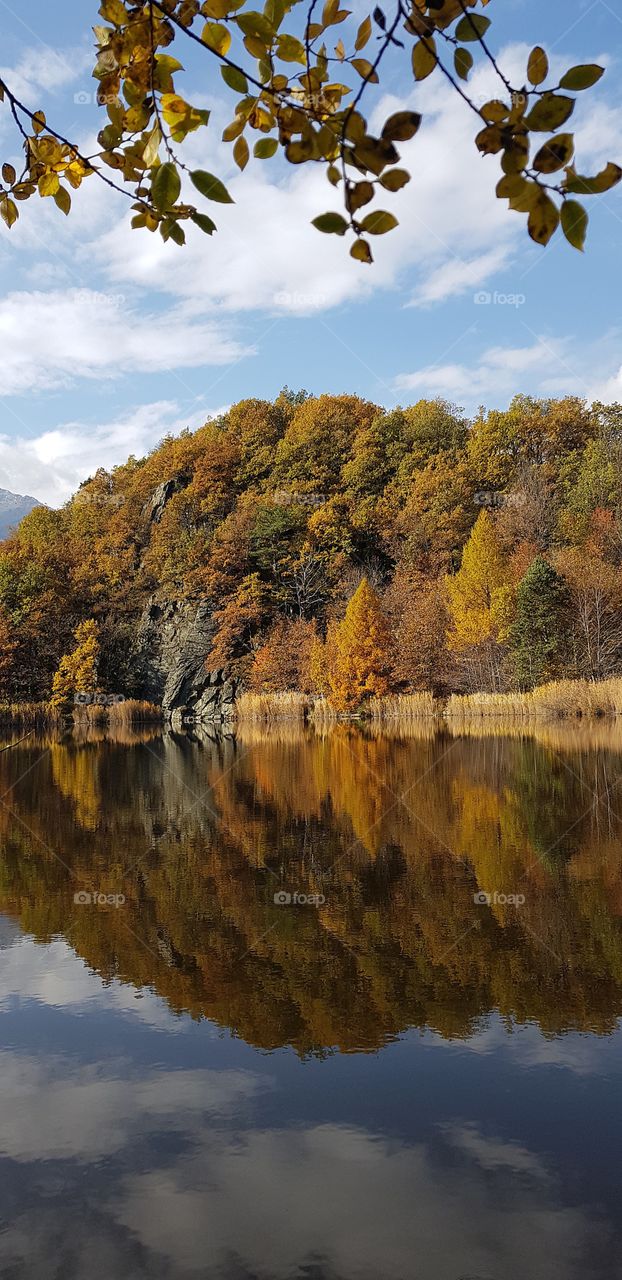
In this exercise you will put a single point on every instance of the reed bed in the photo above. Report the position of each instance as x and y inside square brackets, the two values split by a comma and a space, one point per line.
[127, 713]
[30, 715]
[560, 699]
[268, 708]
[403, 707]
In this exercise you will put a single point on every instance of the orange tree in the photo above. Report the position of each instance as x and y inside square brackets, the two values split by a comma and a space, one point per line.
[358, 652]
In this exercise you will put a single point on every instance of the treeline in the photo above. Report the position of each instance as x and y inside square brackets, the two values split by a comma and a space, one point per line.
[343, 549]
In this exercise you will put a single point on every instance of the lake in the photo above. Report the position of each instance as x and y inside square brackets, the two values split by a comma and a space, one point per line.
[311, 1006]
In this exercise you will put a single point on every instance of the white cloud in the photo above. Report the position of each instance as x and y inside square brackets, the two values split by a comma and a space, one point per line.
[42, 69]
[51, 339]
[549, 365]
[52, 465]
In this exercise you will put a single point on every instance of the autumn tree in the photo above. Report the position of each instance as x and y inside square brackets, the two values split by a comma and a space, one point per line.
[358, 652]
[283, 661]
[280, 66]
[77, 671]
[418, 614]
[8, 649]
[479, 599]
[596, 610]
[538, 636]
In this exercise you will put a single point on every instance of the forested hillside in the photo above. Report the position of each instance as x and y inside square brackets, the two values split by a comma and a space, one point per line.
[493, 547]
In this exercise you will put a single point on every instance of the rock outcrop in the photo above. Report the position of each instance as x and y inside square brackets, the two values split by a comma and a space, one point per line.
[197, 696]
[154, 508]
[172, 643]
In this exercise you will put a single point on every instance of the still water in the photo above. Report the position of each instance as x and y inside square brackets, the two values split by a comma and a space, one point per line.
[311, 1007]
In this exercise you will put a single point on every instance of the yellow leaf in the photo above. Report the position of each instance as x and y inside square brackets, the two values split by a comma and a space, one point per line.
[216, 37]
[424, 58]
[363, 34]
[48, 184]
[241, 153]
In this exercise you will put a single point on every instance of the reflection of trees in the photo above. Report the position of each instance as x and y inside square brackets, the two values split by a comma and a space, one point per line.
[199, 835]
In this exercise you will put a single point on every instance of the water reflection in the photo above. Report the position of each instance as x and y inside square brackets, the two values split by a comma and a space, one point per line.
[145, 1132]
[397, 834]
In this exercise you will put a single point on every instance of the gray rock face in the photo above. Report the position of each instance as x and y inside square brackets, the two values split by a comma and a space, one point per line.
[173, 640]
[198, 697]
[154, 508]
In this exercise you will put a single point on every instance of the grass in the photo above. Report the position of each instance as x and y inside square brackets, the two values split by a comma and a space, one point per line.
[403, 707]
[30, 715]
[268, 708]
[559, 699]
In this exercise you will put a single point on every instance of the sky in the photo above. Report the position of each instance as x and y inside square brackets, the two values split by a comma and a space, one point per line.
[110, 339]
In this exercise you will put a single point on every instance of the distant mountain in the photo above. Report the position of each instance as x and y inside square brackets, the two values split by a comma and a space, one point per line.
[13, 508]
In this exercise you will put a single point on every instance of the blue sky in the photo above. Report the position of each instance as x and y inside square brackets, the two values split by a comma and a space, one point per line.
[111, 339]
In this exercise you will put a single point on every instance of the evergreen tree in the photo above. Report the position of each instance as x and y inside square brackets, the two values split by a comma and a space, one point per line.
[538, 633]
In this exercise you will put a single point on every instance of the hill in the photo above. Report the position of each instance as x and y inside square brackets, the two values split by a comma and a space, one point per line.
[237, 544]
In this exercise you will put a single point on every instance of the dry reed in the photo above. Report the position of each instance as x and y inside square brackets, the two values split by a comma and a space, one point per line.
[559, 699]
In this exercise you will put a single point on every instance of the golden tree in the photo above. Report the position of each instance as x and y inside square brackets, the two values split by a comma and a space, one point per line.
[77, 671]
[480, 604]
[358, 651]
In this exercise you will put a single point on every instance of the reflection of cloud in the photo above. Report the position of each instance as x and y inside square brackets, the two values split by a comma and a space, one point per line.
[492, 1153]
[53, 975]
[357, 1205]
[527, 1047]
[49, 1114]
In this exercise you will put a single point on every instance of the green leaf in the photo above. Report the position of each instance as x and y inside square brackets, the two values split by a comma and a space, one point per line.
[165, 186]
[378, 223]
[402, 126]
[202, 221]
[235, 79]
[289, 49]
[574, 220]
[177, 233]
[543, 219]
[210, 187]
[604, 181]
[472, 27]
[255, 24]
[582, 77]
[331, 224]
[537, 66]
[265, 148]
[463, 62]
[554, 154]
[549, 113]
